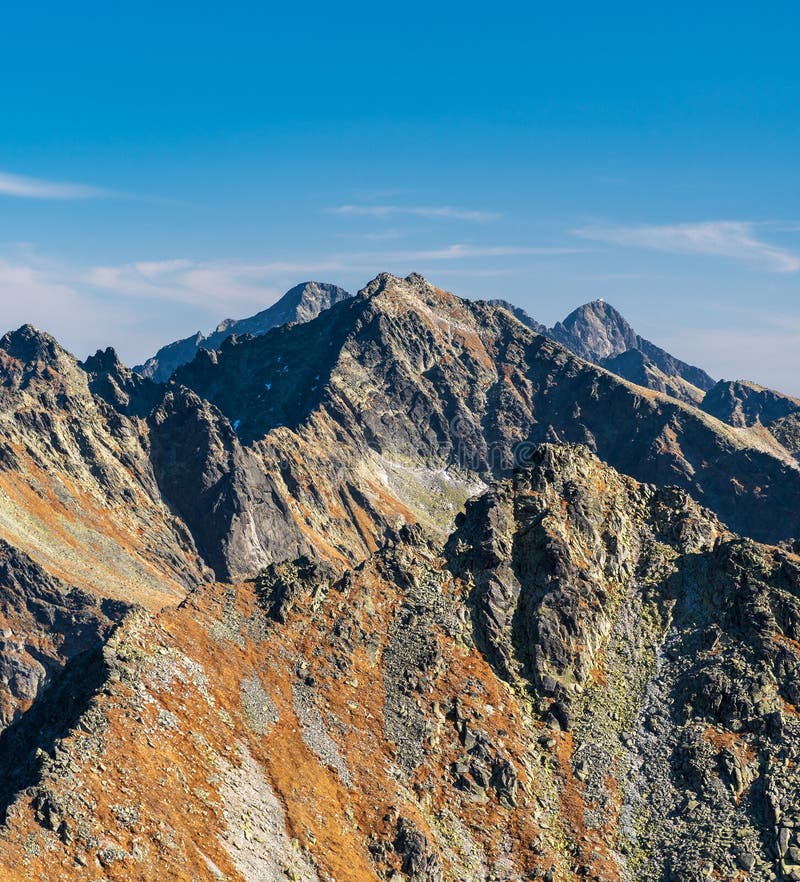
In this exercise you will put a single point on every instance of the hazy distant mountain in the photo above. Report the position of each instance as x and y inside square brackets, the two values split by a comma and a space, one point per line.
[742, 403]
[599, 333]
[300, 304]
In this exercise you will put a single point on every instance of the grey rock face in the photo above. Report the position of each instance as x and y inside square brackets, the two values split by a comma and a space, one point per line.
[47, 625]
[786, 431]
[664, 644]
[220, 489]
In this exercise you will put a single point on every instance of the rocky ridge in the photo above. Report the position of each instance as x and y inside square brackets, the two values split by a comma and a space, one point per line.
[741, 403]
[451, 635]
[399, 403]
[77, 489]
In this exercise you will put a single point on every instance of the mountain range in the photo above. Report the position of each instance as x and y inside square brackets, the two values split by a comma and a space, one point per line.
[397, 586]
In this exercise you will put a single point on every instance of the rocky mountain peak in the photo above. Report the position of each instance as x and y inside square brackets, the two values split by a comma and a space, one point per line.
[29, 345]
[596, 330]
[104, 360]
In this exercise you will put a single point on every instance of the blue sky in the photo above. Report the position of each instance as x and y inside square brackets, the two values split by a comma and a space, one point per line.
[161, 169]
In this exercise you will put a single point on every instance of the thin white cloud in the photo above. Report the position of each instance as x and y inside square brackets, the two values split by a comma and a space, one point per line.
[234, 285]
[734, 240]
[446, 212]
[38, 188]
[226, 286]
[468, 252]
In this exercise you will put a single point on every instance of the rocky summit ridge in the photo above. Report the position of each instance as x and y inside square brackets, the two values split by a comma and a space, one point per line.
[408, 590]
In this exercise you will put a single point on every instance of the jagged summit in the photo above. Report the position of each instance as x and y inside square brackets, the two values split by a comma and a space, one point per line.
[299, 304]
[103, 360]
[596, 331]
[28, 344]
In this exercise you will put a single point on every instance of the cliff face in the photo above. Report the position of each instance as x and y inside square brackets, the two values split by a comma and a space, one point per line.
[593, 679]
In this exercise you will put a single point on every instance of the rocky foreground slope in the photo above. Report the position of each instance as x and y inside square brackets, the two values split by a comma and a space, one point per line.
[593, 679]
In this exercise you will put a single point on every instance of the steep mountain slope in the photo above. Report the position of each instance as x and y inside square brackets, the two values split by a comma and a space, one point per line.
[598, 333]
[594, 680]
[741, 403]
[300, 304]
[396, 405]
[77, 489]
[786, 431]
[634, 365]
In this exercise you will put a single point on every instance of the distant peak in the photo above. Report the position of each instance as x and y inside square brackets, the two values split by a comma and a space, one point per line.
[30, 344]
[103, 361]
[600, 308]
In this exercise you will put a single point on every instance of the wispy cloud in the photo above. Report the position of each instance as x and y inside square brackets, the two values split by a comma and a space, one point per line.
[446, 212]
[38, 188]
[735, 240]
[469, 252]
[231, 284]
[224, 286]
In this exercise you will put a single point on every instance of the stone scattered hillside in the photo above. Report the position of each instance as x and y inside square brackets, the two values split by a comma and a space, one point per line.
[593, 679]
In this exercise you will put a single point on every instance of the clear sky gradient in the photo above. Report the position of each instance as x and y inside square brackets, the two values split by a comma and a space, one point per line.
[164, 166]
